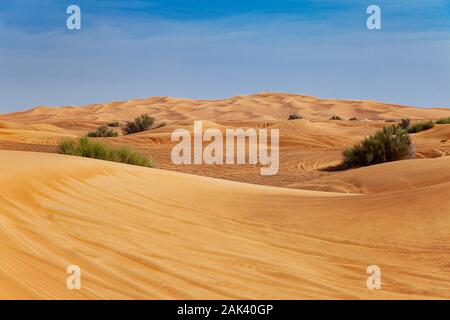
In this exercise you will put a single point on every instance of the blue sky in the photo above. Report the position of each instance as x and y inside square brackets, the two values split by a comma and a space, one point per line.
[216, 49]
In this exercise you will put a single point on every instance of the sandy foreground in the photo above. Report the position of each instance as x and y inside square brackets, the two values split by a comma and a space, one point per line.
[307, 233]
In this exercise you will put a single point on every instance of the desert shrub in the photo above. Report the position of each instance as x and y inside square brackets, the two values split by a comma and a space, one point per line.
[443, 121]
[335, 118]
[141, 123]
[84, 147]
[389, 120]
[101, 132]
[114, 124]
[66, 146]
[389, 144]
[353, 119]
[405, 124]
[421, 126]
[294, 116]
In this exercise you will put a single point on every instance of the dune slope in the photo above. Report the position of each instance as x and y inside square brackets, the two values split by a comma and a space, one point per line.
[147, 233]
[384, 178]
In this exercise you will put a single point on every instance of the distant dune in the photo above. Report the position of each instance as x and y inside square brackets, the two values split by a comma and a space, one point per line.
[223, 231]
[257, 107]
[307, 146]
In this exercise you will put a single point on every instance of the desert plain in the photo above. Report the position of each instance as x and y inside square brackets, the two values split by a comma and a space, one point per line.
[224, 231]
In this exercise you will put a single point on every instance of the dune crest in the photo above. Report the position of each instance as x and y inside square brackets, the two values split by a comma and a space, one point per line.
[257, 107]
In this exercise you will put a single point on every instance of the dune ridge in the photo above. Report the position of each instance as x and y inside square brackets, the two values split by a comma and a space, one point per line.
[307, 146]
[265, 106]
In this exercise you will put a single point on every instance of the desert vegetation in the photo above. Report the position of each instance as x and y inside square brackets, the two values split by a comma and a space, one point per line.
[294, 116]
[421, 126]
[84, 147]
[335, 118]
[142, 123]
[102, 132]
[353, 119]
[114, 124]
[405, 124]
[443, 121]
[390, 144]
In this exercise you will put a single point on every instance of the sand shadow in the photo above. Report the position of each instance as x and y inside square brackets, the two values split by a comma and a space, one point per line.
[335, 168]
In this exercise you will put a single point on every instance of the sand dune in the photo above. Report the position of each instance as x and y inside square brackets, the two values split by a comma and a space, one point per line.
[157, 234]
[32, 137]
[384, 178]
[41, 133]
[307, 146]
[257, 107]
[312, 143]
[147, 233]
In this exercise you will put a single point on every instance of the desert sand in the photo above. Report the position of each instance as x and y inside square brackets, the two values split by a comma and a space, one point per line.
[223, 232]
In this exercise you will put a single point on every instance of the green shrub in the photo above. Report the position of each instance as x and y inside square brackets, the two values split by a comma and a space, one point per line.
[141, 123]
[294, 116]
[405, 124]
[114, 124]
[84, 147]
[421, 126]
[335, 118]
[66, 146]
[353, 119]
[389, 144]
[102, 132]
[389, 120]
[443, 121]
